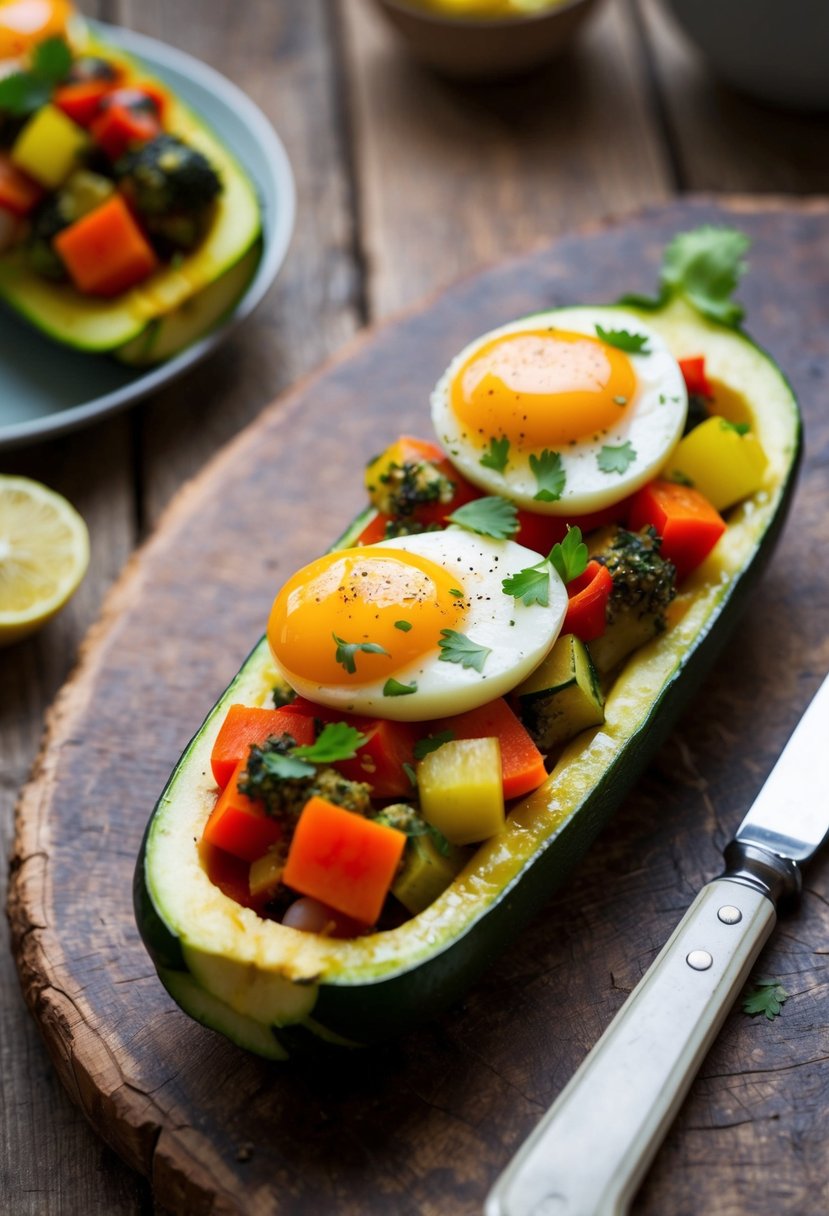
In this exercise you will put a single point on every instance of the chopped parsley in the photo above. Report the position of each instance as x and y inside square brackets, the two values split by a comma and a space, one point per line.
[458, 648]
[531, 585]
[492, 516]
[336, 741]
[569, 557]
[403, 626]
[767, 996]
[432, 743]
[616, 459]
[496, 455]
[623, 339]
[549, 474]
[704, 266]
[22, 93]
[393, 688]
[347, 650]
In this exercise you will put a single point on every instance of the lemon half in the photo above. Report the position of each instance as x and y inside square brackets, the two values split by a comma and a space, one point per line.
[44, 553]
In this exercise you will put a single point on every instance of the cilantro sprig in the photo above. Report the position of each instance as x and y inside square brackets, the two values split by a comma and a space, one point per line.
[549, 473]
[497, 454]
[704, 266]
[394, 688]
[491, 516]
[336, 741]
[623, 339]
[616, 459]
[346, 652]
[21, 93]
[768, 996]
[456, 647]
[532, 584]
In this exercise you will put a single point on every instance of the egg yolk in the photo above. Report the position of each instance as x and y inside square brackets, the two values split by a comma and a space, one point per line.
[391, 599]
[23, 23]
[542, 387]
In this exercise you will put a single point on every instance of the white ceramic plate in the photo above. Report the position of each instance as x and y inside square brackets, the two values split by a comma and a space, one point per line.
[46, 388]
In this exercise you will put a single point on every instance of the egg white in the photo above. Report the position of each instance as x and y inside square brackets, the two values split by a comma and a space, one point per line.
[653, 422]
[517, 635]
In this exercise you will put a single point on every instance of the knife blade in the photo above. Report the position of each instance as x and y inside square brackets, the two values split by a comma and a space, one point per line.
[591, 1150]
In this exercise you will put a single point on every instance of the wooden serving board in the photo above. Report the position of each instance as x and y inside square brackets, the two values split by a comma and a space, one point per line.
[423, 1127]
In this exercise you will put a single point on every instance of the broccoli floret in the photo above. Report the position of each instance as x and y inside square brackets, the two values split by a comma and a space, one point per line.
[643, 586]
[404, 487]
[173, 189]
[284, 783]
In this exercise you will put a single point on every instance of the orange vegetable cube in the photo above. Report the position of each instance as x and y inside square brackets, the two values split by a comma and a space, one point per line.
[521, 761]
[105, 251]
[247, 724]
[344, 860]
[238, 824]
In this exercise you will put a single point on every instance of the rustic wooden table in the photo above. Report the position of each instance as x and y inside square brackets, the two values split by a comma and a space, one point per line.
[404, 183]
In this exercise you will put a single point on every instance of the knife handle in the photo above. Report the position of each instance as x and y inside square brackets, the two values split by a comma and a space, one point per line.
[592, 1148]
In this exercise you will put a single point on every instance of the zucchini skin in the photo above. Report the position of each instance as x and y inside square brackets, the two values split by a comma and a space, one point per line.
[365, 1009]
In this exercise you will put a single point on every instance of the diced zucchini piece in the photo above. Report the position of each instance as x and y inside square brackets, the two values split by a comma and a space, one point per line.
[265, 873]
[722, 461]
[461, 789]
[48, 147]
[562, 697]
[426, 872]
[86, 191]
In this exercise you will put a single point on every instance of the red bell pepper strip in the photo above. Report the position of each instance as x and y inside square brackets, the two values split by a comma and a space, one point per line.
[693, 372]
[343, 859]
[380, 760]
[588, 594]
[246, 724]
[19, 193]
[522, 764]
[238, 824]
[81, 101]
[686, 521]
[541, 532]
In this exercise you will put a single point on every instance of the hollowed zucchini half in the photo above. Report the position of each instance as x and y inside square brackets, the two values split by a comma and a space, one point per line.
[258, 982]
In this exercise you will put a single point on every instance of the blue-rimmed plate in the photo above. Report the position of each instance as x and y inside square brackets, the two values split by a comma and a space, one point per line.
[46, 388]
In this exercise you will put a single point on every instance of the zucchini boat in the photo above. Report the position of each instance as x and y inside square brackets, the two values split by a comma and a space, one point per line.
[265, 984]
[96, 156]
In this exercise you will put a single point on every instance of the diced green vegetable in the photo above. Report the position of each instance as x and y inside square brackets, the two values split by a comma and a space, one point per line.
[562, 697]
[426, 872]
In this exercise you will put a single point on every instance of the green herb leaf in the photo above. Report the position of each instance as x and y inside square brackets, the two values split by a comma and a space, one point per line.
[393, 688]
[767, 996]
[440, 842]
[458, 648]
[276, 764]
[347, 650]
[52, 60]
[492, 516]
[530, 585]
[616, 459]
[549, 474]
[408, 769]
[497, 454]
[432, 743]
[403, 626]
[741, 428]
[705, 266]
[569, 557]
[336, 741]
[456, 591]
[634, 344]
[22, 94]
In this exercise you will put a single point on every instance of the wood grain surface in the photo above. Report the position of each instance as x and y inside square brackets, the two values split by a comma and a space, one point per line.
[425, 1126]
[404, 183]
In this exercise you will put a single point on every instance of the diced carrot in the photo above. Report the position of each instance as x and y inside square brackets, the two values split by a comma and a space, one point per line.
[588, 594]
[686, 521]
[19, 193]
[343, 860]
[238, 824]
[521, 761]
[80, 101]
[246, 724]
[118, 127]
[380, 760]
[693, 372]
[105, 251]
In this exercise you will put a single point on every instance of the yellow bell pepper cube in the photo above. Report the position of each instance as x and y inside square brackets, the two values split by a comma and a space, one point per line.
[48, 147]
[722, 461]
[461, 789]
